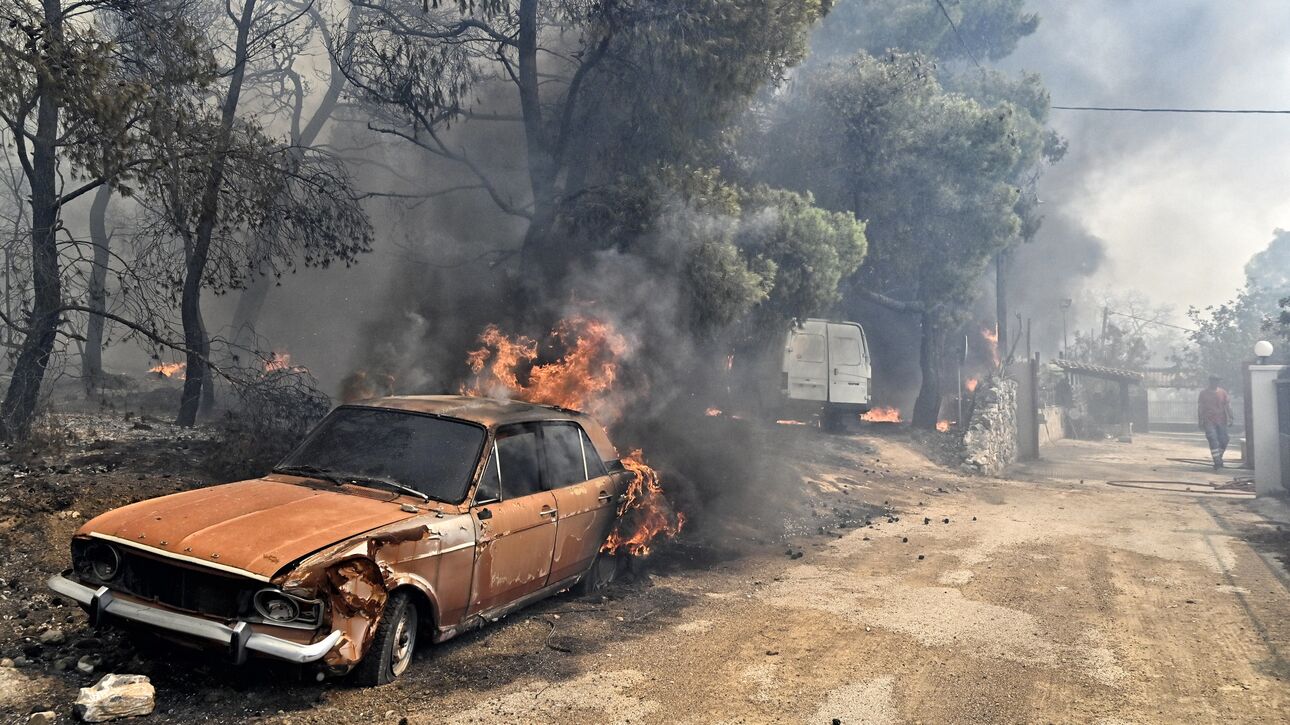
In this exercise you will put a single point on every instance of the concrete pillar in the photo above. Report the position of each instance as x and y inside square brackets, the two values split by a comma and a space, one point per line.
[1266, 430]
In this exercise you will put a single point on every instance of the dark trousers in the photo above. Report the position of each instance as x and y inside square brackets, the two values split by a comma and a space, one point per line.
[1216, 434]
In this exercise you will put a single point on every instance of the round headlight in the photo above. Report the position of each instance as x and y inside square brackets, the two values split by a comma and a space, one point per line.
[276, 607]
[103, 560]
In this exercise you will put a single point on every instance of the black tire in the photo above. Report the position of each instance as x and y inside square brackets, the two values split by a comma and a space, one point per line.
[602, 573]
[393, 643]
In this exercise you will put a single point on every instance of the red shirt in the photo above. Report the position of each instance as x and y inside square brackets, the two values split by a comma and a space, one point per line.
[1215, 407]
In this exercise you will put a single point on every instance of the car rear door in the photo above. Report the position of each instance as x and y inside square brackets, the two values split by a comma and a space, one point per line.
[584, 494]
[848, 382]
[515, 521]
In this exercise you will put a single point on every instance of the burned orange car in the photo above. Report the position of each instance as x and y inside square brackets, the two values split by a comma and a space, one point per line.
[398, 517]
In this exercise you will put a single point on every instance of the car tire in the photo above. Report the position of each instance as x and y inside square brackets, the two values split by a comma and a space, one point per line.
[393, 643]
[602, 573]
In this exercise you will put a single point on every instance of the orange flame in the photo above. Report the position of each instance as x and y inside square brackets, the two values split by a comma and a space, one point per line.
[971, 384]
[582, 378]
[991, 335]
[645, 513]
[886, 414]
[790, 422]
[277, 361]
[169, 370]
[944, 425]
[712, 412]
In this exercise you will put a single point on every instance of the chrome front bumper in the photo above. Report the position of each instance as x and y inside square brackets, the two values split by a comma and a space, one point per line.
[238, 638]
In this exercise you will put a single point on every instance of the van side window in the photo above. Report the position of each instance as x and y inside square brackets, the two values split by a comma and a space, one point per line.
[564, 459]
[517, 462]
[808, 347]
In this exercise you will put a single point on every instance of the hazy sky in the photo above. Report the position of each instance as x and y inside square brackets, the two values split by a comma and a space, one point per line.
[1182, 201]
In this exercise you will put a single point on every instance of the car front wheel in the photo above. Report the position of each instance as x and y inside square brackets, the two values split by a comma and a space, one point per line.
[393, 643]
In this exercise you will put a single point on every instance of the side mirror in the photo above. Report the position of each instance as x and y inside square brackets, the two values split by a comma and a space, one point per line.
[484, 514]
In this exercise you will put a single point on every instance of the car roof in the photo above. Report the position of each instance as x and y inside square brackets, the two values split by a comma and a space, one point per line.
[492, 412]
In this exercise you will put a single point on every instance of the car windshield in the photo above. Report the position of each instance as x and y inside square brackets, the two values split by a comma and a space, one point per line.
[377, 447]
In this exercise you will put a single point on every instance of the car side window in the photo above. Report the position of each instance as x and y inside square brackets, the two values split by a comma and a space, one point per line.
[564, 458]
[595, 466]
[517, 462]
[490, 482]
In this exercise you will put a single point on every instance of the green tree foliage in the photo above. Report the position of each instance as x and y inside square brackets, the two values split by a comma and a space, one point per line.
[987, 29]
[760, 256]
[1225, 334]
[937, 173]
[626, 89]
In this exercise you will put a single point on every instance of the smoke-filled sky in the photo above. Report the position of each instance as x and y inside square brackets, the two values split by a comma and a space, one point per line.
[1180, 201]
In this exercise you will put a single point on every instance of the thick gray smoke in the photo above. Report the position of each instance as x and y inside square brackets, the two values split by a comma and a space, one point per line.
[1181, 201]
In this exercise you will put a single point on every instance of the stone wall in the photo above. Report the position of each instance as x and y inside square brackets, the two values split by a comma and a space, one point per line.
[990, 443]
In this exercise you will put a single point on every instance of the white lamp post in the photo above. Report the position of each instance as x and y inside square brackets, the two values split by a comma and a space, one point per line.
[1263, 350]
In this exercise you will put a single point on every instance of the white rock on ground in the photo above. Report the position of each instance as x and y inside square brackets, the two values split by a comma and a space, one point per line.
[116, 696]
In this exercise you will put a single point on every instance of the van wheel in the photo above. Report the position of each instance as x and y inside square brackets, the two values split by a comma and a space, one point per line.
[602, 573]
[393, 643]
[832, 420]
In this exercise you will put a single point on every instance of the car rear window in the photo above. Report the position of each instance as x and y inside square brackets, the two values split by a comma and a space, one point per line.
[564, 459]
[436, 456]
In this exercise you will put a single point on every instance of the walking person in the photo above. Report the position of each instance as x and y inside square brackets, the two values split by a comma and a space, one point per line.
[1215, 412]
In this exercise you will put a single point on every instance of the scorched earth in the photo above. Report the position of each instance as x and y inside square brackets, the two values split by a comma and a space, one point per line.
[879, 587]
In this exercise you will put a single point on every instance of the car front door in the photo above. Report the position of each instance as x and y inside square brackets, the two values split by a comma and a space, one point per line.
[584, 494]
[515, 521]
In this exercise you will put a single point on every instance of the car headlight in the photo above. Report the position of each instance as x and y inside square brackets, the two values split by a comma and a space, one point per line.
[278, 607]
[102, 560]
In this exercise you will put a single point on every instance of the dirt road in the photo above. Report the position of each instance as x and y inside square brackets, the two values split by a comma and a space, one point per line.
[1047, 597]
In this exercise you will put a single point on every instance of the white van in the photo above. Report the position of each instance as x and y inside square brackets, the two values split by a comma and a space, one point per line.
[827, 363]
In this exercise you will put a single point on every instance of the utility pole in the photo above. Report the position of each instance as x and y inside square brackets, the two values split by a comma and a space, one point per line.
[1066, 305]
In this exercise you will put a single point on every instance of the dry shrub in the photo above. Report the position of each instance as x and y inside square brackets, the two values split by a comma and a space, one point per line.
[274, 411]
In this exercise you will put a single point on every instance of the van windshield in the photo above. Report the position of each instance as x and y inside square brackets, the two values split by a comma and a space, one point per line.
[435, 456]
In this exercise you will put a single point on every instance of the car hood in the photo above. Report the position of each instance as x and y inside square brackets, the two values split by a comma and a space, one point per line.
[255, 526]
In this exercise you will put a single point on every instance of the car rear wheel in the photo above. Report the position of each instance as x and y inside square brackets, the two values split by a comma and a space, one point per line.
[602, 573]
[393, 643]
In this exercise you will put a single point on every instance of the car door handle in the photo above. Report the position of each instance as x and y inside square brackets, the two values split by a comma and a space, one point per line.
[548, 512]
[603, 496]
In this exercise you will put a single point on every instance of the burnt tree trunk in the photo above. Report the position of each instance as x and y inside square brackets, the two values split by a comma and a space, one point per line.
[92, 357]
[195, 339]
[250, 303]
[537, 252]
[927, 408]
[19, 406]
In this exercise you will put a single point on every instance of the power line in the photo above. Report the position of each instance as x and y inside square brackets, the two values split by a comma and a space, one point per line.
[1125, 109]
[958, 35]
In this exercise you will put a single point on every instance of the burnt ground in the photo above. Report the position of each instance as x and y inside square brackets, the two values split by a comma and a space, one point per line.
[1048, 596]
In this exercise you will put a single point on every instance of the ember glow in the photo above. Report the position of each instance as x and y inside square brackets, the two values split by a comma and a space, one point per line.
[645, 514]
[886, 414]
[944, 425]
[790, 422]
[277, 361]
[712, 412]
[971, 384]
[169, 370]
